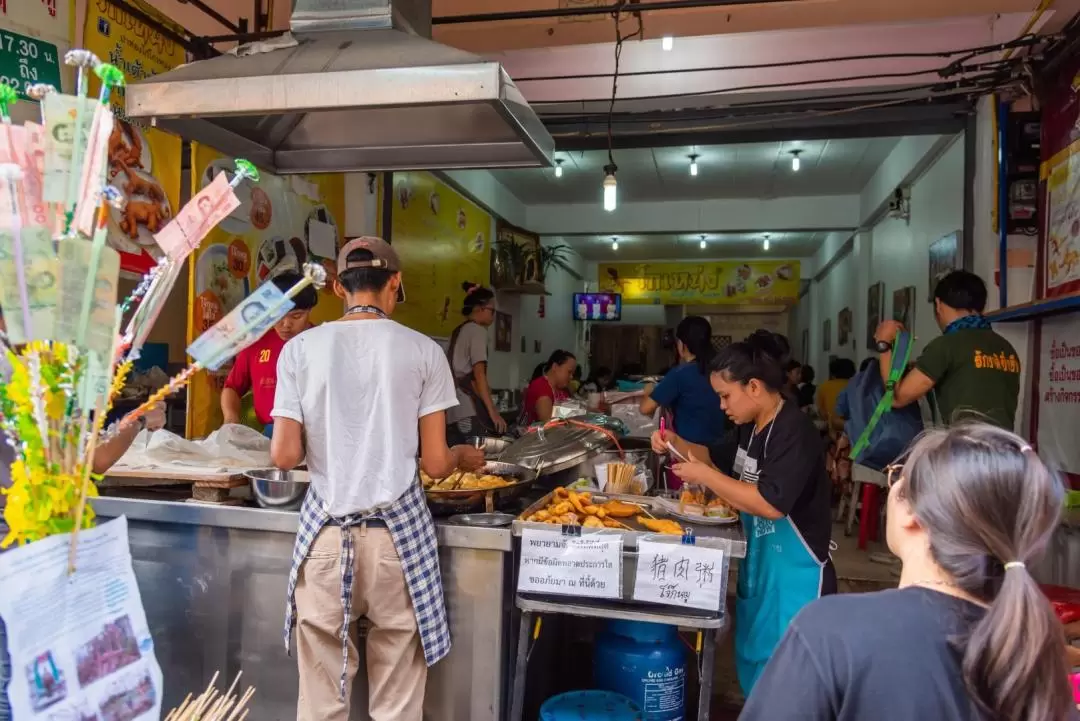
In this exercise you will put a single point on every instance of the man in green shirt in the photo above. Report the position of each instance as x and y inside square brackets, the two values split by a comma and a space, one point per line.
[973, 371]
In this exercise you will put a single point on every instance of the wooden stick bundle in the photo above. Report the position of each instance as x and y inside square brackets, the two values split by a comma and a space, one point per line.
[212, 706]
[620, 477]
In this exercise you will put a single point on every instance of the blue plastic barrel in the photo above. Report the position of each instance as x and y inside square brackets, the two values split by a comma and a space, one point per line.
[645, 662]
[589, 706]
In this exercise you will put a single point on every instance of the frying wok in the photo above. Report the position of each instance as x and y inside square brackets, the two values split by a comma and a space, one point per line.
[462, 501]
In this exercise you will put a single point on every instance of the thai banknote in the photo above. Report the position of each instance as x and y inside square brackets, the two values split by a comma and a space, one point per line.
[244, 324]
[92, 180]
[152, 302]
[88, 292]
[212, 205]
[40, 271]
[61, 150]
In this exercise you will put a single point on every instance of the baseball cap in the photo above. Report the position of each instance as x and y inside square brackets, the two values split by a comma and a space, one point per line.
[383, 256]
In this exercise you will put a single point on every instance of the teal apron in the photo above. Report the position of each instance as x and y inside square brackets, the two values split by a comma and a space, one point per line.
[779, 576]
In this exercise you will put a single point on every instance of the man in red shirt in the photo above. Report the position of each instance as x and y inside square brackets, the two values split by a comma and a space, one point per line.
[255, 367]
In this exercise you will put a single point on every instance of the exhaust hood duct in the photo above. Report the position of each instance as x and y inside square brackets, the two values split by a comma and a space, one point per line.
[357, 85]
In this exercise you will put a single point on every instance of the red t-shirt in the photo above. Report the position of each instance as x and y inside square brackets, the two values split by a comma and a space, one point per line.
[540, 388]
[255, 370]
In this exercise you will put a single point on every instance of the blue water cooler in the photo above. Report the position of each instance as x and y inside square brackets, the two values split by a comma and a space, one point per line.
[646, 662]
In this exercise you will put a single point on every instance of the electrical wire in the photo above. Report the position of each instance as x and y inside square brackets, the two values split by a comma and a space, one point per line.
[778, 85]
[619, 39]
[1023, 41]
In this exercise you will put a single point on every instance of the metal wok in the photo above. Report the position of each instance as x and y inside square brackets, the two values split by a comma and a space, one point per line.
[489, 499]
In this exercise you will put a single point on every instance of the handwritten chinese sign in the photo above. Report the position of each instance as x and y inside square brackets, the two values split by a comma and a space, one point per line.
[588, 565]
[679, 575]
[25, 61]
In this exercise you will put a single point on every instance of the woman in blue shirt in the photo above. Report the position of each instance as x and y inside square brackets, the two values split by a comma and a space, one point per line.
[685, 390]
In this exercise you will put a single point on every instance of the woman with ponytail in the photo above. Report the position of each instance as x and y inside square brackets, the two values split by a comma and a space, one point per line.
[685, 391]
[475, 413]
[968, 635]
[771, 469]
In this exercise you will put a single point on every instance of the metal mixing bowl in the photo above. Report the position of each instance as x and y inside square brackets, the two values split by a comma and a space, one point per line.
[275, 488]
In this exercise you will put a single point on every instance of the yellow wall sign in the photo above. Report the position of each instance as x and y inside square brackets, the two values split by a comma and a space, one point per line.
[735, 282]
[443, 240]
[144, 163]
[282, 223]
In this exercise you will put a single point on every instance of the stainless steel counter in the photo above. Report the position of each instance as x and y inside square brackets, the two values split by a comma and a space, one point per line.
[213, 582]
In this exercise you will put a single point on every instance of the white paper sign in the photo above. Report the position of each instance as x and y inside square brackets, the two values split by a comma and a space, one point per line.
[323, 238]
[1059, 393]
[675, 574]
[588, 565]
[80, 645]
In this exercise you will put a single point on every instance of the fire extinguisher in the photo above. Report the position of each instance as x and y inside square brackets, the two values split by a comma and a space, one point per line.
[540, 308]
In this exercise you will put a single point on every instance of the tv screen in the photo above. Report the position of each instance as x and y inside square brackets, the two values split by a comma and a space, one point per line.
[597, 306]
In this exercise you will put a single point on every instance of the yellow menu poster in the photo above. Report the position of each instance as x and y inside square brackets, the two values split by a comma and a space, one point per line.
[144, 163]
[735, 282]
[443, 240]
[282, 222]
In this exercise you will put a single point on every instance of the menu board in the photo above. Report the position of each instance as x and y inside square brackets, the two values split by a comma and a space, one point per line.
[282, 222]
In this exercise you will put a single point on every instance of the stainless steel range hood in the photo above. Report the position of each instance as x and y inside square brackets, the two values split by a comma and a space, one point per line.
[355, 86]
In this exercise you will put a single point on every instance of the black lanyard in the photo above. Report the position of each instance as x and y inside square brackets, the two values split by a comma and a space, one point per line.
[378, 312]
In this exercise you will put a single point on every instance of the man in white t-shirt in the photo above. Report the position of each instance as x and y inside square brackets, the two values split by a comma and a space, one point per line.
[359, 397]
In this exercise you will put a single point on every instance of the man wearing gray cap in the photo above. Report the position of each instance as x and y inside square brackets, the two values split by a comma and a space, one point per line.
[359, 397]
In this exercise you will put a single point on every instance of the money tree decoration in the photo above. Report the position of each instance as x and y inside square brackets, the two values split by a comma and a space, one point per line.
[69, 343]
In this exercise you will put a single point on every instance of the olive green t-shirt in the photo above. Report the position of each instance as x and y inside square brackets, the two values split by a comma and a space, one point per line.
[976, 376]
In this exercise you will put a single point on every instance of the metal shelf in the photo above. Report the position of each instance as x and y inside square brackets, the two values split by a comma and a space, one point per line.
[1036, 309]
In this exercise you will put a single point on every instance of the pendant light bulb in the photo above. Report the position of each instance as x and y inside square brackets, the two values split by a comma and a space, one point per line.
[614, 243]
[795, 164]
[765, 245]
[558, 167]
[610, 188]
[667, 42]
[693, 164]
[702, 242]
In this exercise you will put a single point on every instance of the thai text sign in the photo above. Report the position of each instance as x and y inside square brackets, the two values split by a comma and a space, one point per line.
[588, 565]
[1059, 393]
[734, 282]
[25, 61]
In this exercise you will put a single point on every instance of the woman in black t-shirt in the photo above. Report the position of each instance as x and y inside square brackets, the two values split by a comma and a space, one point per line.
[771, 468]
[968, 636]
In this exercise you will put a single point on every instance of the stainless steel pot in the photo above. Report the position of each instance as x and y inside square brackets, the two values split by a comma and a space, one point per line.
[278, 489]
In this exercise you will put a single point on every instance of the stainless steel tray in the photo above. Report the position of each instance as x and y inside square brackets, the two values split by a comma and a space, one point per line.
[729, 539]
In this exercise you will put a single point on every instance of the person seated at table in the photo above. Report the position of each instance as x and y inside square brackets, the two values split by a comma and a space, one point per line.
[968, 635]
[841, 371]
[548, 386]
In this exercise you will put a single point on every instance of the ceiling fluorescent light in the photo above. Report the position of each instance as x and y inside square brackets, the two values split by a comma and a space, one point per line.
[693, 164]
[795, 164]
[610, 188]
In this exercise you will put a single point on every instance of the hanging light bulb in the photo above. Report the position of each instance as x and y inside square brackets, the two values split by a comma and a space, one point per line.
[703, 242]
[765, 245]
[693, 164]
[558, 167]
[795, 164]
[614, 243]
[667, 42]
[610, 188]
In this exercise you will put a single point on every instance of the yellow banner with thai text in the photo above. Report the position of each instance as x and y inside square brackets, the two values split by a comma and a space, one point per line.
[734, 282]
[144, 163]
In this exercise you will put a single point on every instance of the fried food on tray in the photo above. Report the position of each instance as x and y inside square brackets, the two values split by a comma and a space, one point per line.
[661, 525]
[618, 509]
[592, 522]
[463, 481]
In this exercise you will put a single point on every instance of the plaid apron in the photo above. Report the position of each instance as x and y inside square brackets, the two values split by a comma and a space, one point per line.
[409, 522]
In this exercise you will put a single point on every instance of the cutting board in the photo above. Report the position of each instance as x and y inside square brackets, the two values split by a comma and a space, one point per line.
[173, 476]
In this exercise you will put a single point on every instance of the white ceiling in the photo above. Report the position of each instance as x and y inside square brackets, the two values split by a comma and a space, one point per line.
[718, 246]
[757, 170]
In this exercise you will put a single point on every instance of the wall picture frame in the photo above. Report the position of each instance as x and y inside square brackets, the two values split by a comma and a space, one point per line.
[504, 326]
[944, 258]
[875, 312]
[903, 307]
[844, 330]
[826, 336]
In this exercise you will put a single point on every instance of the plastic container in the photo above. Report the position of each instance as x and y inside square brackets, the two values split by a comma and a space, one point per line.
[645, 662]
[589, 706]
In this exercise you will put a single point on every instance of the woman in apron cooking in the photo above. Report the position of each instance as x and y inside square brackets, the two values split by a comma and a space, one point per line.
[475, 414]
[771, 469]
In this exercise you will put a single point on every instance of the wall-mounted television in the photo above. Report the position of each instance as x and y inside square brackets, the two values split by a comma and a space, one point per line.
[597, 306]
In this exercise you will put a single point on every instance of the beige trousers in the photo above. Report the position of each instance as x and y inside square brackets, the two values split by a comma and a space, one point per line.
[396, 670]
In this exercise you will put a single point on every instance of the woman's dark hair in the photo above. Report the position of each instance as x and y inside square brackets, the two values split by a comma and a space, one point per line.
[791, 365]
[595, 374]
[843, 368]
[555, 359]
[358, 280]
[986, 500]
[306, 299]
[807, 374]
[476, 295]
[762, 355]
[695, 333]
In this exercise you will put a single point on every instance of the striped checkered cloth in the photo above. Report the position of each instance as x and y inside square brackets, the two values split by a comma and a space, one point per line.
[409, 522]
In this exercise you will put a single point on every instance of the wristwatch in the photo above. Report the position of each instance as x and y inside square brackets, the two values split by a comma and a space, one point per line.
[882, 346]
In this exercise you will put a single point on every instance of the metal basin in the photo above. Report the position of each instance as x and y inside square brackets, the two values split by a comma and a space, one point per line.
[275, 488]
